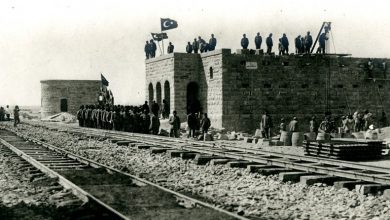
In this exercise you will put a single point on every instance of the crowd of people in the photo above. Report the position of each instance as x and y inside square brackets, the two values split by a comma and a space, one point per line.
[5, 114]
[140, 119]
[359, 121]
[303, 44]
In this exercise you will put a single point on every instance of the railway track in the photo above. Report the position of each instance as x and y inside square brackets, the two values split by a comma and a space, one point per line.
[351, 173]
[116, 194]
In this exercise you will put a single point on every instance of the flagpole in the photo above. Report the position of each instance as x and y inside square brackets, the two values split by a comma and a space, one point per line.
[159, 47]
[162, 42]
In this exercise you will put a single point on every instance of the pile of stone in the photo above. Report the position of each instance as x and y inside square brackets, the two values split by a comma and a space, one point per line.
[233, 189]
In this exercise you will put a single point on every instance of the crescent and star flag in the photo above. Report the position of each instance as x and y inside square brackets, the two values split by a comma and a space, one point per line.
[104, 80]
[159, 36]
[167, 24]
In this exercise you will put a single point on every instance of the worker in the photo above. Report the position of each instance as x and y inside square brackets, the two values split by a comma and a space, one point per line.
[170, 48]
[283, 125]
[152, 50]
[371, 133]
[189, 47]
[293, 126]
[244, 42]
[2, 113]
[313, 125]
[202, 45]
[79, 116]
[258, 41]
[269, 43]
[205, 124]
[285, 44]
[191, 122]
[7, 112]
[367, 118]
[325, 126]
[322, 42]
[298, 44]
[155, 108]
[308, 43]
[174, 121]
[266, 125]
[16, 116]
[195, 45]
[147, 50]
[154, 124]
[280, 47]
[212, 43]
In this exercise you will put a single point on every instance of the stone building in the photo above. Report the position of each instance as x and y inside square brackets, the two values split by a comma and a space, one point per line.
[235, 89]
[67, 95]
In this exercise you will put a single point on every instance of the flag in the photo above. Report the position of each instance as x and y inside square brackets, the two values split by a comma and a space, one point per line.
[159, 36]
[104, 80]
[167, 23]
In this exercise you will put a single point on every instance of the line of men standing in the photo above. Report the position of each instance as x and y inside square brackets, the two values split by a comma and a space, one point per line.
[302, 44]
[201, 45]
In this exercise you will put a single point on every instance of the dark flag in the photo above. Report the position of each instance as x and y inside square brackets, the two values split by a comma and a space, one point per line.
[104, 80]
[167, 24]
[159, 36]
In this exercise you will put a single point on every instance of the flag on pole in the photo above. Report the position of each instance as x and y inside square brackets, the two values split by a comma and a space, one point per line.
[159, 36]
[167, 24]
[104, 80]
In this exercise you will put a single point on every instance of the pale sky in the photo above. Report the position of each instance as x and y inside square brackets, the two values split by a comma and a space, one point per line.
[74, 39]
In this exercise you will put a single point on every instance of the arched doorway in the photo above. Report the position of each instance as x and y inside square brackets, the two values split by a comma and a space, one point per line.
[167, 92]
[151, 93]
[158, 93]
[193, 103]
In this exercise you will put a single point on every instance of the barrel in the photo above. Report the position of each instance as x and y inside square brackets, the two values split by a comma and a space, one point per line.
[297, 139]
[310, 136]
[285, 137]
[323, 137]
[358, 135]
[371, 135]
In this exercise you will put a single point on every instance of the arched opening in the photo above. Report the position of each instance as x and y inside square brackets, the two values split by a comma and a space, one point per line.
[167, 92]
[158, 93]
[151, 93]
[64, 105]
[193, 103]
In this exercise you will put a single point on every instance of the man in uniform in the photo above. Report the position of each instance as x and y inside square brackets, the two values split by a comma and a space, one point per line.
[285, 44]
[298, 44]
[269, 43]
[170, 48]
[189, 47]
[174, 121]
[195, 45]
[153, 48]
[147, 50]
[202, 45]
[212, 43]
[258, 41]
[308, 42]
[205, 124]
[191, 122]
[244, 42]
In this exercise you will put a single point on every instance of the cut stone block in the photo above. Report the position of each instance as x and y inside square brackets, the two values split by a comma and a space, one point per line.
[240, 163]
[255, 168]
[347, 184]
[371, 188]
[158, 150]
[292, 176]
[188, 155]
[219, 161]
[310, 180]
[175, 153]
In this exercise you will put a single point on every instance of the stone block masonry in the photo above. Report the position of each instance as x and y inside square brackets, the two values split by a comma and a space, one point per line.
[235, 94]
[73, 94]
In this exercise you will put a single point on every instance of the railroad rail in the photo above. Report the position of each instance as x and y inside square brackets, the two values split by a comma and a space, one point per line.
[324, 166]
[121, 195]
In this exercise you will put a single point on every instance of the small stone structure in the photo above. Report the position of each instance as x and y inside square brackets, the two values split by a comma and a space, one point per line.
[67, 95]
[234, 89]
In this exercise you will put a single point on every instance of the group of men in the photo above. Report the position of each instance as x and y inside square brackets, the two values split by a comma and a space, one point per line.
[150, 49]
[359, 121]
[5, 114]
[201, 45]
[139, 119]
[120, 118]
[302, 44]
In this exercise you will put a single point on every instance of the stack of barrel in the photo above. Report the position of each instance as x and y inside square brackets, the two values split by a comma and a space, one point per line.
[345, 149]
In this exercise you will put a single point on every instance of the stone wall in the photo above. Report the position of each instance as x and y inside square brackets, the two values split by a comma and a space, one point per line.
[235, 96]
[77, 92]
[291, 86]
